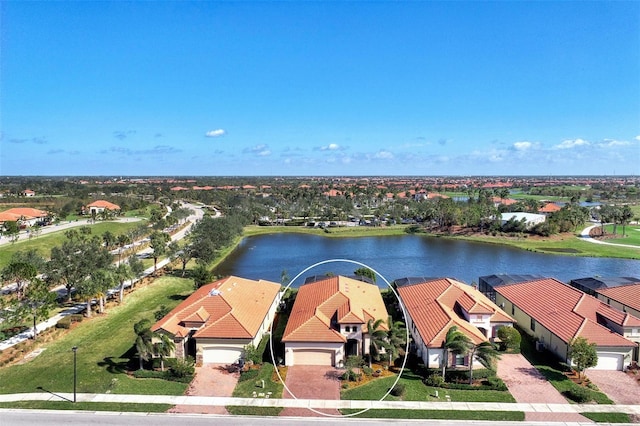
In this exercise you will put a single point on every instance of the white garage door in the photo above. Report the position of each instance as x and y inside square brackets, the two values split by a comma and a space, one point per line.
[609, 361]
[220, 355]
[312, 357]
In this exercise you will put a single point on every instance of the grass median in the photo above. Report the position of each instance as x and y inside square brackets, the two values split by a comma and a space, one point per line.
[105, 350]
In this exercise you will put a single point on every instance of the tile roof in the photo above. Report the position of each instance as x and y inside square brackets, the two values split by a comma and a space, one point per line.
[342, 299]
[566, 311]
[231, 308]
[432, 306]
[17, 213]
[628, 295]
[103, 204]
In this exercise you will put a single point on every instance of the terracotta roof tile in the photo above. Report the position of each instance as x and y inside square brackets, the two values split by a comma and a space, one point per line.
[565, 311]
[431, 305]
[344, 299]
[236, 308]
[628, 295]
[104, 205]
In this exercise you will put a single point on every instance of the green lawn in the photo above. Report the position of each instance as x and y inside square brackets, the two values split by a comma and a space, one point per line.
[247, 386]
[608, 417]
[44, 243]
[513, 416]
[416, 390]
[104, 349]
[631, 232]
[88, 406]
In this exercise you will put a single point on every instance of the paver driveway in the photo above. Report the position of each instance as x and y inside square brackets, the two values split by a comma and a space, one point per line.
[526, 384]
[619, 387]
[210, 380]
[311, 382]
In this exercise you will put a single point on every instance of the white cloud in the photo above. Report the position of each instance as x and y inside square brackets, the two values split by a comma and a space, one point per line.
[331, 147]
[215, 133]
[637, 138]
[524, 145]
[608, 143]
[383, 155]
[261, 150]
[571, 143]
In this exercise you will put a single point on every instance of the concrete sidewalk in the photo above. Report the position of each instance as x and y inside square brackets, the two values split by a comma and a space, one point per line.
[319, 404]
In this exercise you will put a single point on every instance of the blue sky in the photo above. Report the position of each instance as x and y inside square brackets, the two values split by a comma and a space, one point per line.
[320, 88]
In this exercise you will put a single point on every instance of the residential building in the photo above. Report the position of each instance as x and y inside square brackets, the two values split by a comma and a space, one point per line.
[99, 206]
[24, 216]
[625, 298]
[554, 313]
[488, 283]
[434, 305]
[328, 321]
[219, 319]
[591, 285]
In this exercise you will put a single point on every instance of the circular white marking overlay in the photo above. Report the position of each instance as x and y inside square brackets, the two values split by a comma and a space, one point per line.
[404, 314]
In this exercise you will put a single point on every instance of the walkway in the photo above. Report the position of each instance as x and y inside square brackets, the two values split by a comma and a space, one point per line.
[586, 235]
[320, 403]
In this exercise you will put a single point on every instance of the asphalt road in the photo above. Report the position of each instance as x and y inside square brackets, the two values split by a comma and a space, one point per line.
[84, 418]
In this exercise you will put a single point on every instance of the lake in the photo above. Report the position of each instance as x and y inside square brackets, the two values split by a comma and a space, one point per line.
[266, 256]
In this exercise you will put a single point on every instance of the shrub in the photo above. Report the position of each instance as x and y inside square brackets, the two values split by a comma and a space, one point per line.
[64, 323]
[351, 376]
[76, 317]
[367, 371]
[509, 338]
[183, 367]
[578, 394]
[149, 374]
[398, 390]
[434, 380]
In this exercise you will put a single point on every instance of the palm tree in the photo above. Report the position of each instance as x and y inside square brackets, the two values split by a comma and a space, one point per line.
[163, 347]
[377, 339]
[122, 273]
[485, 353]
[454, 342]
[397, 338]
[144, 346]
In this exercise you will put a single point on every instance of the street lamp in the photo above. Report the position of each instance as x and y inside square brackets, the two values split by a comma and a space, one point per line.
[75, 375]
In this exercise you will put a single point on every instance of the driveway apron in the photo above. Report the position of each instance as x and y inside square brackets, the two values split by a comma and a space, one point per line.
[527, 385]
[210, 380]
[311, 382]
[617, 385]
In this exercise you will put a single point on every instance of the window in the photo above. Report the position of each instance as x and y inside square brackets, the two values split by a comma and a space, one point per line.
[513, 309]
[459, 359]
[533, 324]
[347, 329]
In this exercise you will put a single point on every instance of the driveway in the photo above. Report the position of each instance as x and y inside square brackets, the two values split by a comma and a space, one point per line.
[210, 380]
[617, 385]
[527, 385]
[311, 382]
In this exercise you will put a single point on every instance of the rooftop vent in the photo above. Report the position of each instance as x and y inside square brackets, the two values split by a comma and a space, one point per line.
[214, 292]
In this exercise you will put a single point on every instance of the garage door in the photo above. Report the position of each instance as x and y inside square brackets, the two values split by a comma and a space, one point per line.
[221, 355]
[312, 357]
[609, 361]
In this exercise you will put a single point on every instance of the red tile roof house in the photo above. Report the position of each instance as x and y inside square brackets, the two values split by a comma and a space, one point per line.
[434, 305]
[219, 319]
[328, 321]
[24, 216]
[100, 205]
[625, 298]
[556, 313]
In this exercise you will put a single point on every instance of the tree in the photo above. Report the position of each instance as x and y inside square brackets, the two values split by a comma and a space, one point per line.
[75, 260]
[454, 342]
[143, 344]
[38, 300]
[366, 273]
[21, 273]
[163, 347]
[137, 268]
[509, 337]
[201, 275]
[121, 274]
[397, 338]
[158, 244]
[377, 339]
[122, 240]
[108, 238]
[12, 230]
[485, 353]
[583, 355]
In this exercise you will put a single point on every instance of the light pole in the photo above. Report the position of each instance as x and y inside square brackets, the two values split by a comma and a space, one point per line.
[75, 350]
